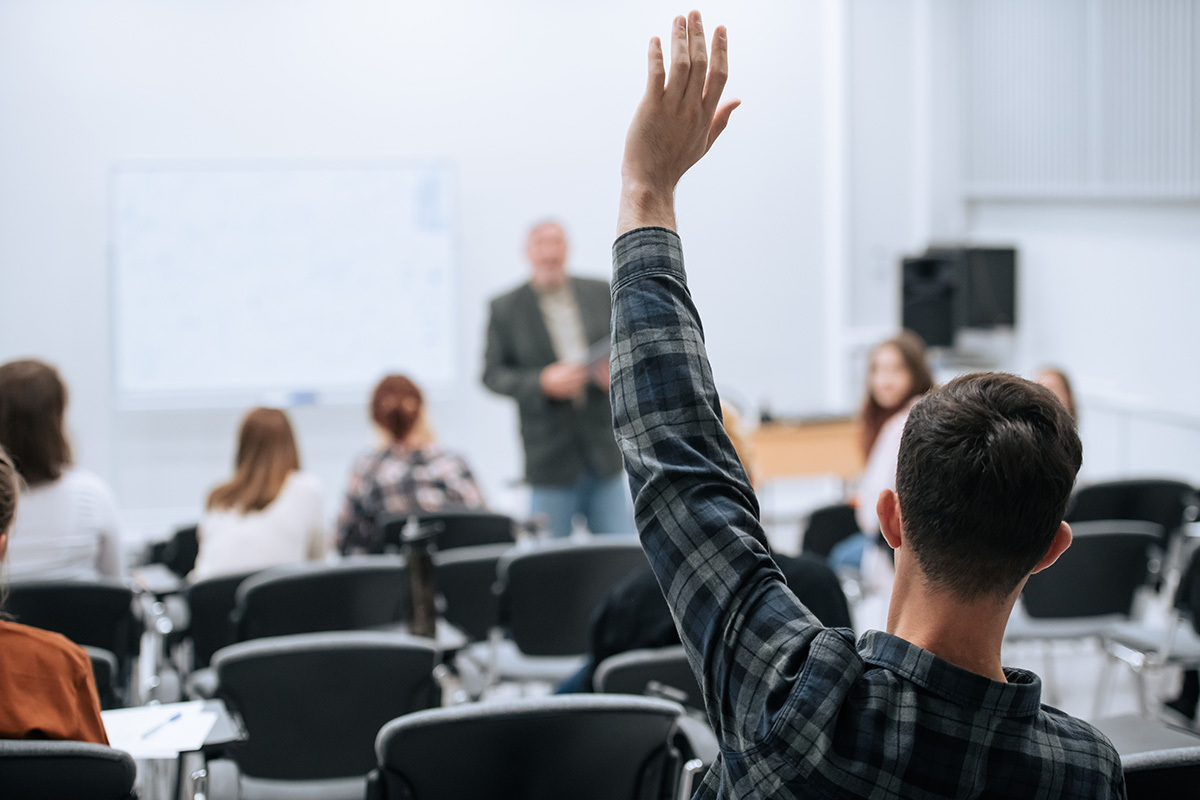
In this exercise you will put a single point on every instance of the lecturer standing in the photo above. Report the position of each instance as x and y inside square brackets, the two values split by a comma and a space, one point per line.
[547, 349]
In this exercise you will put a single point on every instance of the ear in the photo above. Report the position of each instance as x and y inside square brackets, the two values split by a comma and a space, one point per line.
[3, 545]
[888, 509]
[1062, 540]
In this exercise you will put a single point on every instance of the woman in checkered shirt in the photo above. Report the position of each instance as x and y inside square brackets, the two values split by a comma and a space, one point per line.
[409, 473]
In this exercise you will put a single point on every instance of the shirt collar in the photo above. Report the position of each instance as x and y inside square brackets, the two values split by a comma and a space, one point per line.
[1020, 697]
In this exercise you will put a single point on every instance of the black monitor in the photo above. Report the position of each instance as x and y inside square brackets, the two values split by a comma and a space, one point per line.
[929, 287]
[989, 288]
[947, 289]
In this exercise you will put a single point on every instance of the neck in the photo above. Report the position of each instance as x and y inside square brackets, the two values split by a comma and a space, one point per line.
[966, 634]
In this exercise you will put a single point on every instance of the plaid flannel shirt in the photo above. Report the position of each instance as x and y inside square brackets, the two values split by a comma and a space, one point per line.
[800, 710]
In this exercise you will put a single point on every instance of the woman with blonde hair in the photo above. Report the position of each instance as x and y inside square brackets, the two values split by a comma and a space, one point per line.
[46, 686]
[409, 473]
[269, 512]
[67, 525]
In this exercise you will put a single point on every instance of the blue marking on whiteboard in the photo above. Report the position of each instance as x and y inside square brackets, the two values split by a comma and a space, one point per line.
[306, 398]
[430, 215]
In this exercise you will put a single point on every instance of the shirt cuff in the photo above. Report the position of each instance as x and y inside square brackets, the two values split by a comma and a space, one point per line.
[644, 252]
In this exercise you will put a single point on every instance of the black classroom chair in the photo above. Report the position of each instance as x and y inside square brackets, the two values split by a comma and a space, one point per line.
[826, 527]
[454, 528]
[35, 769]
[358, 593]
[660, 671]
[466, 581]
[585, 747]
[312, 705]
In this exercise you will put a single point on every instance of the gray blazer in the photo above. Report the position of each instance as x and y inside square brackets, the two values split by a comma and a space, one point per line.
[560, 438]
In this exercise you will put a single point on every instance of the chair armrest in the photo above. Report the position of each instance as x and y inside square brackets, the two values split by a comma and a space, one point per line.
[698, 739]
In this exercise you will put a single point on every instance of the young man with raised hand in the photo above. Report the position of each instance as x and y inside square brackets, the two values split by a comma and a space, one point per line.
[985, 469]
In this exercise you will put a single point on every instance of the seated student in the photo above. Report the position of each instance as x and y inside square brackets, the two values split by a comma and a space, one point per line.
[409, 473]
[268, 513]
[46, 686]
[897, 377]
[1057, 381]
[635, 615]
[67, 526]
[985, 469]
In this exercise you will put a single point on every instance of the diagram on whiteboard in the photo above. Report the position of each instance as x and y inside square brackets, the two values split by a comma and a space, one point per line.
[236, 283]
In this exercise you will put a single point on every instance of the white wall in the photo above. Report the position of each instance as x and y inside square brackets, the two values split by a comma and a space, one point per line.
[530, 99]
[1106, 289]
[1109, 292]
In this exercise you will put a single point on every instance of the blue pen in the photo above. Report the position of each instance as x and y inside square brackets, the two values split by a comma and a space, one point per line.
[162, 725]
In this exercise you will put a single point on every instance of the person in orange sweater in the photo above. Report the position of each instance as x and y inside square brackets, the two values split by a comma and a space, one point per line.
[47, 690]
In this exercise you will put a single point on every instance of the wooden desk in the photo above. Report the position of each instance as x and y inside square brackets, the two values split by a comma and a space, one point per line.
[796, 450]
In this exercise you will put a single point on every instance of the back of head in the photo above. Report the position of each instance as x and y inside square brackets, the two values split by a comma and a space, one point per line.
[9, 486]
[986, 467]
[266, 455]
[33, 401]
[396, 405]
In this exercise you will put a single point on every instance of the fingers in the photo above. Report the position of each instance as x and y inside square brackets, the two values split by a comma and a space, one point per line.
[720, 120]
[718, 72]
[657, 73]
[696, 54]
[680, 61]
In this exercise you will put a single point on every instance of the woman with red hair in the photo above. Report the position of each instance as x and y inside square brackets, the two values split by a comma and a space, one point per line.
[409, 473]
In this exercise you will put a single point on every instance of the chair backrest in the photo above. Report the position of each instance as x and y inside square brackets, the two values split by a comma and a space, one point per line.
[585, 747]
[549, 592]
[35, 769]
[1098, 574]
[313, 703]
[95, 613]
[1162, 773]
[358, 593]
[1168, 503]
[466, 580]
[454, 528]
[105, 670]
[637, 672]
[826, 527]
[210, 603]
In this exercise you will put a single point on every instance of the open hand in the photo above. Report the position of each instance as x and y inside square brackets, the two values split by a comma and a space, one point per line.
[676, 123]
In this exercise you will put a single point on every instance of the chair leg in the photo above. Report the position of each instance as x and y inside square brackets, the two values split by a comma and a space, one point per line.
[1144, 694]
[1103, 686]
[1051, 683]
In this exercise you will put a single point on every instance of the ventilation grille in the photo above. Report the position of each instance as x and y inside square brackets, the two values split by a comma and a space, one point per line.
[1082, 98]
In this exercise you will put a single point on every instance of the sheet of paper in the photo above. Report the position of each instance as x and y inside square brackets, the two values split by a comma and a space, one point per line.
[162, 731]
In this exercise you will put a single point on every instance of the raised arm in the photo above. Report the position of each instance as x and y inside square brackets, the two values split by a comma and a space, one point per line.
[695, 510]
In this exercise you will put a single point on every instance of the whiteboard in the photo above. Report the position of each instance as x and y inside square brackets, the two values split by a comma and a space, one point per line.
[235, 284]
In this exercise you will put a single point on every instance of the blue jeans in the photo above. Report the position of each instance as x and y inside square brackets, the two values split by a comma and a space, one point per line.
[848, 553]
[604, 502]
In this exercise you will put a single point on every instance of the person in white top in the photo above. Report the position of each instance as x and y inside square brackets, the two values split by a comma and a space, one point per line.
[897, 377]
[269, 513]
[66, 525]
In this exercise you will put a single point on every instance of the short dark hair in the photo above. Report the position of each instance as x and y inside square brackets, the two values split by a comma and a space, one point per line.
[33, 401]
[985, 470]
